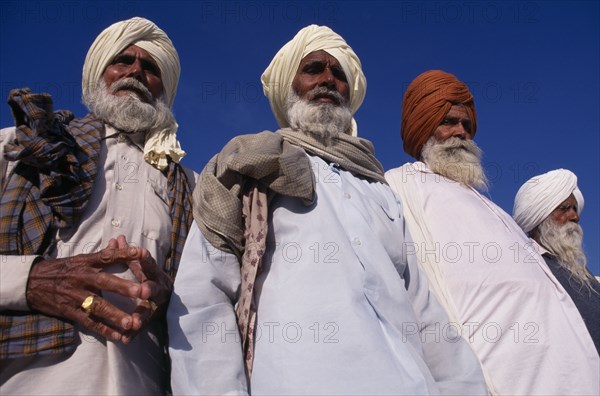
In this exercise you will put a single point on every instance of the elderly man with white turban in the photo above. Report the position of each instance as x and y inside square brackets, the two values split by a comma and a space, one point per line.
[95, 212]
[524, 329]
[547, 207]
[294, 278]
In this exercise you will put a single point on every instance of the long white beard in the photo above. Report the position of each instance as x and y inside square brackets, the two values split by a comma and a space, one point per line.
[457, 159]
[129, 113]
[323, 120]
[566, 243]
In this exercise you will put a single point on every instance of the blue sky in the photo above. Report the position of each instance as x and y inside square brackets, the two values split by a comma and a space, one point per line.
[532, 66]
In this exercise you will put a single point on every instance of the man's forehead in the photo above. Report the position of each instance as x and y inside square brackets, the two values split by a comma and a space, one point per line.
[320, 55]
[134, 49]
[458, 110]
[571, 200]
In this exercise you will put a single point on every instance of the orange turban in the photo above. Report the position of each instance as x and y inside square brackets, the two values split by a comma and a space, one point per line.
[426, 102]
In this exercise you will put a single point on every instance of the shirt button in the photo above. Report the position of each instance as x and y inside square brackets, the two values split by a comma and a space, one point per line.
[119, 186]
[347, 195]
[115, 223]
[356, 241]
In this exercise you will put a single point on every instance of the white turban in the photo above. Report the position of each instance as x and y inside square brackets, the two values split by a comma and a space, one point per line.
[540, 195]
[146, 35]
[277, 78]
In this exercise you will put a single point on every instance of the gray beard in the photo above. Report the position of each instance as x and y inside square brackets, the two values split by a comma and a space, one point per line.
[129, 113]
[566, 243]
[456, 159]
[323, 121]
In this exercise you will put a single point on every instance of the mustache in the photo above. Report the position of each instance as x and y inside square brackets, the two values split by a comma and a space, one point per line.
[456, 143]
[131, 84]
[324, 92]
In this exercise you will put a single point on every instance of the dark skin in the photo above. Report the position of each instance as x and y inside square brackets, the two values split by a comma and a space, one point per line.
[456, 123]
[319, 69]
[135, 62]
[58, 287]
[564, 213]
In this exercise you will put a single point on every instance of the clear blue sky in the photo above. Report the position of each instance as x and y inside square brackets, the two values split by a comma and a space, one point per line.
[532, 66]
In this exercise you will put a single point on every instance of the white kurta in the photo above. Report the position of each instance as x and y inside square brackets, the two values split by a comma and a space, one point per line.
[340, 308]
[129, 197]
[522, 324]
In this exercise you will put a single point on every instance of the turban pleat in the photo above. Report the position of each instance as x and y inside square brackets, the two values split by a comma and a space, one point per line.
[540, 195]
[277, 78]
[426, 102]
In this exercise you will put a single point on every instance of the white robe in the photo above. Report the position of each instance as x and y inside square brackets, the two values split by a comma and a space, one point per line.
[524, 327]
[340, 308]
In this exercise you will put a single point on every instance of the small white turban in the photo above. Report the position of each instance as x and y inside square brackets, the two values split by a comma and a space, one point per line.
[146, 35]
[277, 78]
[540, 195]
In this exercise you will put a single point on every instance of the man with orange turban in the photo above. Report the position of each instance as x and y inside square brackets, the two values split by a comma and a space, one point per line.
[520, 322]
[82, 311]
[294, 279]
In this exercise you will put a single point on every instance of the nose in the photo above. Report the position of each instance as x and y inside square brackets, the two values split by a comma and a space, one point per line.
[573, 216]
[459, 131]
[135, 70]
[327, 78]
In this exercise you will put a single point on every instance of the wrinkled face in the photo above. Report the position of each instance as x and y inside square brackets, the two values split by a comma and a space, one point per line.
[137, 63]
[319, 69]
[566, 211]
[456, 123]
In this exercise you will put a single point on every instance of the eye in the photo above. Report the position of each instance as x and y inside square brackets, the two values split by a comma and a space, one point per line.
[313, 68]
[467, 126]
[566, 208]
[338, 73]
[123, 60]
[151, 67]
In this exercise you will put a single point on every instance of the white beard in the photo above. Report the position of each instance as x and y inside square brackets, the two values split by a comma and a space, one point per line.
[566, 243]
[129, 113]
[321, 120]
[456, 159]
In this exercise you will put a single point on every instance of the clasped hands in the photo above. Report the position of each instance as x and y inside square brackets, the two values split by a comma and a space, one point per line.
[71, 288]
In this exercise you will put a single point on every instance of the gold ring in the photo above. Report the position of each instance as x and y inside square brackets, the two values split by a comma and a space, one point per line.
[88, 303]
[153, 305]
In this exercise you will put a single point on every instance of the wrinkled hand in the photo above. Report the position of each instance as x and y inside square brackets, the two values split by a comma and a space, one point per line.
[155, 288]
[57, 287]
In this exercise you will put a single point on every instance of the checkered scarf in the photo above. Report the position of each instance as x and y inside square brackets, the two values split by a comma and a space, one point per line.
[48, 190]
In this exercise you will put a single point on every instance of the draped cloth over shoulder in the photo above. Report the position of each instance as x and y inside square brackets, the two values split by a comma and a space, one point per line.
[541, 194]
[235, 187]
[56, 163]
[277, 78]
[48, 189]
[143, 33]
[426, 102]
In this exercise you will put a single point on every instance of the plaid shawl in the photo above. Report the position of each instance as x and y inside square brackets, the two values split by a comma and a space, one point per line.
[232, 197]
[48, 190]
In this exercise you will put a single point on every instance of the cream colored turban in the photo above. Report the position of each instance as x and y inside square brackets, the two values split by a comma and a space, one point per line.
[146, 35]
[277, 78]
[540, 195]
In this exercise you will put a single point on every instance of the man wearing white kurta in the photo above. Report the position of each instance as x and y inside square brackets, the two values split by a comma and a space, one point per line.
[517, 317]
[547, 207]
[129, 83]
[335, 307]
